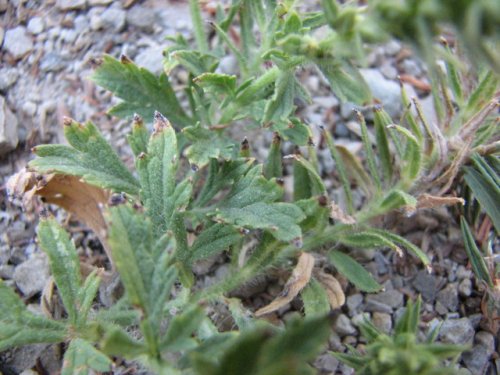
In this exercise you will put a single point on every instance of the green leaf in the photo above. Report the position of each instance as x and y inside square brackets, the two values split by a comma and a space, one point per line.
[130, 239]
[293, 130]
[117, 342]
[90, 157]
[395, 199]
[408, 322]
[315, 182]
[404, 243]
[476, 258]
[82, 356]
[483, 181]
[180, 329]
[345, 80]
[315, 299]
[281, 219]
[141, 91]
[273, 166]
[215, 239]
[139, 137]
[366, 240]
[217, 83]
[157, 170]
[370, 156]
[64, 264]
[206, 145]
[412, 155]
[382, 120]
[353, 271]
[220, 175]
[86, 296]
[18, 326]
[346, 184]
[280, 106]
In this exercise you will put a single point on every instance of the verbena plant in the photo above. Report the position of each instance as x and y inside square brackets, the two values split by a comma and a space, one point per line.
[229, 202]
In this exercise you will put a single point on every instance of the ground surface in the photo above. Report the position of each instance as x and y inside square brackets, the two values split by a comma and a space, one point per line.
[45, 60]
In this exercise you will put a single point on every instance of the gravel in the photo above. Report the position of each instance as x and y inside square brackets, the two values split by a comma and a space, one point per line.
[46, 77]
[32, 275]
[17, 42]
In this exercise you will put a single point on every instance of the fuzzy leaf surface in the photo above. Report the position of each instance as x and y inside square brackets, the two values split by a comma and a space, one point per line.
[142, 92]
[214, 240]
[64, 263]
[250, 204]
[18, 326]
[157, 170]
[353, 271]
[205, 145]
[82, 356]
[90, 158]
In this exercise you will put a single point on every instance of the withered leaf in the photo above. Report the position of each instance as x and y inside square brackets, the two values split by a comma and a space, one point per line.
[336, 213]
[431, 201]
[333, 289]
[68, 192]
[298, 280]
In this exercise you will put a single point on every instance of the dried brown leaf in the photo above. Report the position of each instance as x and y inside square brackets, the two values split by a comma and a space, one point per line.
[432, 201]
[298, 280]
[336, 213]
[333, 289]
[69, 192]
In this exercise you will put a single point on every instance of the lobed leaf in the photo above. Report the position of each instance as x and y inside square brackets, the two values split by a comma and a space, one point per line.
[90, 158]
[82, 356]
[141, 91]
[213, 240]
[18, 326]
[206, 145]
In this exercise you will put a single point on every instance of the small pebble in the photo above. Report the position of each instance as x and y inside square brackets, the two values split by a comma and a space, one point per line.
[343, 326]
[17, 42]
[36, 25]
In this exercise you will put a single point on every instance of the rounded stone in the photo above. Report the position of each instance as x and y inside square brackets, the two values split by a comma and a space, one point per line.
[36, 25]
[17, 42]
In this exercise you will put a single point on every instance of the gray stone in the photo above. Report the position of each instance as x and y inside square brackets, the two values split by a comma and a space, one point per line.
[141, 17]
[360, 318]
[312, 83]
[29, 108]
[386, 91]
[17, 42]
[227, 65]
[65, 5]
[52, 62]
[8, 128]
[463, 273]
[392, 298]
[457, 331]
[326, 101]
[477, 359]
[353, 303]
[465, 288]
[326, 362]
[68, 35]
[8, 76]
[425, 284]
[21, 358]
[2, 35]
[99, 2]
[382, 321]
[343, 326]
[411, 67]
[114, 19]
[151, 58]
[487, 340]
[6, 271]
[36, 25]
[3, 5]
[341, 130]
[448, 297]
[392, 48]
[80, 23]
[389, 71]
[32, 275]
